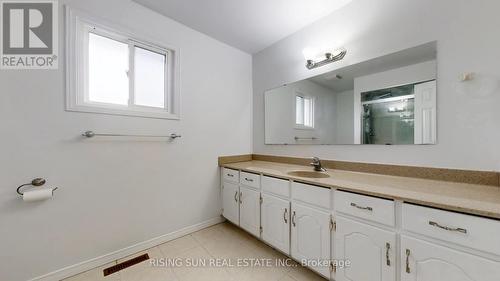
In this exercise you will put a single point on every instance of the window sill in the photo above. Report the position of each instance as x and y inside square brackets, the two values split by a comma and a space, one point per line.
[304, 128]
[122, 112]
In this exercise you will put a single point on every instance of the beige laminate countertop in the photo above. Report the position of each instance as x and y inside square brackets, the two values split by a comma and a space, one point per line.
[473, 199]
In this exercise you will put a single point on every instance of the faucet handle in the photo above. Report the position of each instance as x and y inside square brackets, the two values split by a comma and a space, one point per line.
[316, 163]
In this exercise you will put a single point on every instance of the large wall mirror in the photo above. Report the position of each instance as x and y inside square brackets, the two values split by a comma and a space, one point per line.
[389, 100]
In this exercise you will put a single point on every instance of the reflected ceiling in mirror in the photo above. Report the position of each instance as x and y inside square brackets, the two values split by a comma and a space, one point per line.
[390, 100]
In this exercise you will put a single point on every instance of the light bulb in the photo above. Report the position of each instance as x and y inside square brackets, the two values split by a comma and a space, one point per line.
[310, 53]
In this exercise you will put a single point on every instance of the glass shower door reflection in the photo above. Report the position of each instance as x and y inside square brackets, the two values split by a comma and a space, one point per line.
[389, 121]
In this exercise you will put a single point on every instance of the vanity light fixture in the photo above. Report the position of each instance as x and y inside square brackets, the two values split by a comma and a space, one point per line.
[329, 58]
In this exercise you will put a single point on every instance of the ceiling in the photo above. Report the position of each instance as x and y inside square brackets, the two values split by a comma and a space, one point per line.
[249, 25]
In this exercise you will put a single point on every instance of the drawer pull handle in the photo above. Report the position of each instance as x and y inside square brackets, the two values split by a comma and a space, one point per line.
[236, 196]
[361, 208]
[241, 195]
[250, 180]
[285, 215]
[461, 230]
[229, 175]
[408, 252]
[293, 218]
[387, 258]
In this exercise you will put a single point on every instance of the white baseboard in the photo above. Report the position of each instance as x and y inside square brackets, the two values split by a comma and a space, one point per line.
[107, 258]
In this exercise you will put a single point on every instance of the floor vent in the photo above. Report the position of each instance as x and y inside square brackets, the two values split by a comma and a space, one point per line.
[125, 264]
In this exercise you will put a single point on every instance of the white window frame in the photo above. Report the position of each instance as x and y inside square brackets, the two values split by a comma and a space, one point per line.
[313, 102]
[78, 27]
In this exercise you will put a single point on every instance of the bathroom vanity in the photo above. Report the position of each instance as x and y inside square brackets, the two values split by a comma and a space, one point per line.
[389, 228]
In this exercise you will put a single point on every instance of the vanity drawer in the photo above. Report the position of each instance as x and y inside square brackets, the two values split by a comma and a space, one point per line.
[466, 230]
[366, 207]
[315, 195]
[276, 186]
[249, 179]
[230, 175]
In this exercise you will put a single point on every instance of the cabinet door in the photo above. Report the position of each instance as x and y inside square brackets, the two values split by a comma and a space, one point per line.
[310, 235]
[250, 210]
[371, 251]
[423, 261]
[276, 222]
[230, 203]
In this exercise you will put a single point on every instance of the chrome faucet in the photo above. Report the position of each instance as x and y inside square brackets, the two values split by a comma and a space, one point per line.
[316, 163]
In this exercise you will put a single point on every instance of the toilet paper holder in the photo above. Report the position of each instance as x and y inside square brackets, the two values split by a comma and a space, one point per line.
[35, 182]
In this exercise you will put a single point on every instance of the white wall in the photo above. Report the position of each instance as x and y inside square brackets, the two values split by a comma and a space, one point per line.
[280, 114]
[344, 117]
[114, 193]
[468, 114]
[396, 77]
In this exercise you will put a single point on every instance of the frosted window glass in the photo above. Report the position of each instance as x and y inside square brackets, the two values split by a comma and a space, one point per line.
[149, 72]
[108, 70]
[299, 111]
[308, 112]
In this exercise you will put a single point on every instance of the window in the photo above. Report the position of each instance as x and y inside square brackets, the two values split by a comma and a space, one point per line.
[114, 72]
[108, 63]
[304, 112]
[149, 78]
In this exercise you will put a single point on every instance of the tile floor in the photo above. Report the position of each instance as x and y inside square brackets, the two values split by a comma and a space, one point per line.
[223, 242]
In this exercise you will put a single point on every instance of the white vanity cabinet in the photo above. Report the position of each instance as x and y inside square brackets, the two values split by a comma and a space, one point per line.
[249, 200]
[241, 199]
[250, 180]
[470, 231]
[275, 213]
[382, 239]
[311, 226]
[428, 261]
[424, 261]
[374, 209]
[230, 175]
[276, 222]
[230, 202]
[371, 251]
[310, 238]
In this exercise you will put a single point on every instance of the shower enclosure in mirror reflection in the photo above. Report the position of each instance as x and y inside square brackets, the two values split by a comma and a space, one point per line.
[389, 100]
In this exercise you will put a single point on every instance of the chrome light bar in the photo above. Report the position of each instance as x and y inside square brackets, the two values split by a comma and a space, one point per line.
[329, 58]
